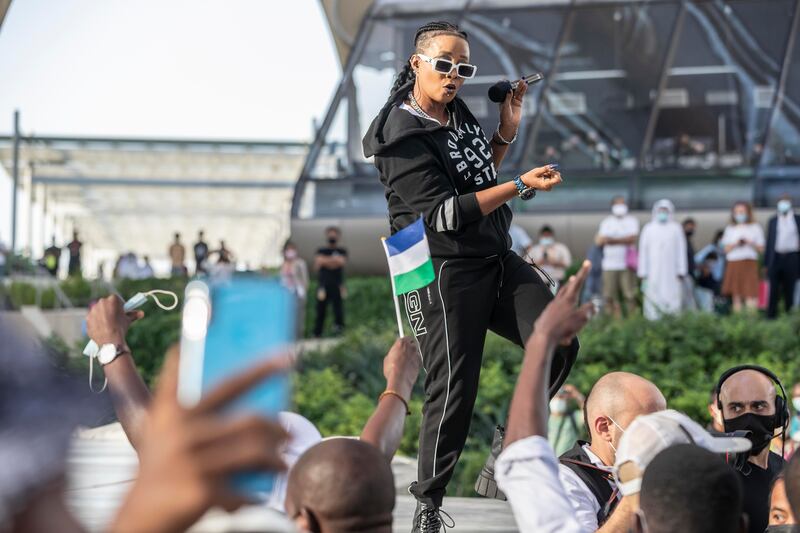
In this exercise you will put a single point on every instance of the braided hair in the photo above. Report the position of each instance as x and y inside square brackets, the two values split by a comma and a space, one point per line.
[421, 40]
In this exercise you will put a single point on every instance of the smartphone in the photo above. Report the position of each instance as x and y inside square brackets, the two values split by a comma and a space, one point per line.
[229, 325]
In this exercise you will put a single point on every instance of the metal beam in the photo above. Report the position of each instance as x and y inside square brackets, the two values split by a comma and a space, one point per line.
[161, 182]
[151, 141]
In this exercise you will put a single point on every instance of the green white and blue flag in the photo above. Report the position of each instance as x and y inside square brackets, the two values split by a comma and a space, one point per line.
[409, 258]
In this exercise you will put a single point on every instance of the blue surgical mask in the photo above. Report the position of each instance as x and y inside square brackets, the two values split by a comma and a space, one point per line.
[546, 241]
[740, 218]
[784, 206]
[662, 217]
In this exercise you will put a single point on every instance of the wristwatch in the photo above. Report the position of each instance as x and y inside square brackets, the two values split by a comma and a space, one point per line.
[109, 352]
[524, 192]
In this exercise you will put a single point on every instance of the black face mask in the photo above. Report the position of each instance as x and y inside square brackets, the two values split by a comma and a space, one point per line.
[786, 528]
[689, 233]
[761, 428]
[332, 240]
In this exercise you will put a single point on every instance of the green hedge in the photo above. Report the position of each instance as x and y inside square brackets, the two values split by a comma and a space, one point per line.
[338, 389]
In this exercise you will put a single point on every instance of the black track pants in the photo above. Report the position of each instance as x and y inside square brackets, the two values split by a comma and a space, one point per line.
[450, 318]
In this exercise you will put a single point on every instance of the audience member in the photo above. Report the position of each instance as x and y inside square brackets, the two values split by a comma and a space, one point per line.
[710, 264]
[689, 226]
[52, 258]
[781, 518]
[329, 263]
[743, 241]
[343, 487]
[553, 257]
[521, 242]
[147, 269]
[792, 482]
[593, 288]
[224, 255]
[566, 424]
[662, 262]
[782, 256]
[294, 274]
[177, 255]
[526, 469]
[4, 254]
[794, 426]
[689, 489]
[200, 255]
[617, 235]
[747, 400]
[613, 403]
[184, 471]
[74, 247]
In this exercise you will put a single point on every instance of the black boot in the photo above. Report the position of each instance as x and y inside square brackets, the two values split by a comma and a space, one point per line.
[429, 519]
[486, 486]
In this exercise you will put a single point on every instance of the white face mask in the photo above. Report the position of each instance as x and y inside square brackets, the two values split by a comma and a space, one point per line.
[558, 406]
[620, 428]
[619, 210]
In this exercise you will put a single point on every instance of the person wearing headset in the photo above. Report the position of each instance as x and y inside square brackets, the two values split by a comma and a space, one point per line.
[748, 401]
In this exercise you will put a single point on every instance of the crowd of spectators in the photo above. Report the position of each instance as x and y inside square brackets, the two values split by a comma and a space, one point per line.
[657, 267]
[617, 460]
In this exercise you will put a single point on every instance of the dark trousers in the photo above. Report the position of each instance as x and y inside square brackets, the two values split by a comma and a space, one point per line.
[783, 276]
[449, 319]
[332, 295]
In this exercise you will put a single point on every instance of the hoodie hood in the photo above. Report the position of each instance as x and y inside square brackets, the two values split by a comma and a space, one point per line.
[383, 132]
[663, 204]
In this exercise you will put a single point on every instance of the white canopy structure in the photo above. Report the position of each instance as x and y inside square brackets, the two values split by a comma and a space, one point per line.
[134, 194]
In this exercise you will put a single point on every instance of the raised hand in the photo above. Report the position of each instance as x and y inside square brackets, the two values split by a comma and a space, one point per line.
[188, 455]
[401, 366]
[511, 111]
[561, 320]
[107, 322]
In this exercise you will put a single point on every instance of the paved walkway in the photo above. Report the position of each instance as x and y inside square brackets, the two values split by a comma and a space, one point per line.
[102, 465]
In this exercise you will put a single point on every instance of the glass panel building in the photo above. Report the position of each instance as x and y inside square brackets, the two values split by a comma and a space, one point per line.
[695, 101]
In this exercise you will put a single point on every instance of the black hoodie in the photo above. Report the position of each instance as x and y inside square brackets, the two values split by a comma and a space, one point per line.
[435, 171]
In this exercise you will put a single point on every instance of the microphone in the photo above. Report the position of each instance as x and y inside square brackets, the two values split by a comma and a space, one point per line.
[498, 91]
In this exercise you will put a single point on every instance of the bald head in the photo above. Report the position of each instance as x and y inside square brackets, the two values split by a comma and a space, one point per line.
[342, 484]
[622, 396]
[747, 391]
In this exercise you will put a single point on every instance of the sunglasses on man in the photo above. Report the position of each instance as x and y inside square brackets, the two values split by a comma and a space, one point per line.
[445, 66]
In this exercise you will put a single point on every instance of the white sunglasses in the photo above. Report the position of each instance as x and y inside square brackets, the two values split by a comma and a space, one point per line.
[445, 66]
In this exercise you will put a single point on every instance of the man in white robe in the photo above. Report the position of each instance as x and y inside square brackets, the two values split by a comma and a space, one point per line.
[662, 262]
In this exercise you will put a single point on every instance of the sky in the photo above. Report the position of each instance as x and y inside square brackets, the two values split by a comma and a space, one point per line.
[223, 69]
[244, 69]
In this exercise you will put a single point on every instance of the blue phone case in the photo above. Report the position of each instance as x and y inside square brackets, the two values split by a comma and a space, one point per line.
[252, 318]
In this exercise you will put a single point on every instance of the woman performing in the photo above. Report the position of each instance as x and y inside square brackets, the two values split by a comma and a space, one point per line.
[435, 161]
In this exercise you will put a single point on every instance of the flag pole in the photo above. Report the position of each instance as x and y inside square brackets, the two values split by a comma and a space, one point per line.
[394, 293]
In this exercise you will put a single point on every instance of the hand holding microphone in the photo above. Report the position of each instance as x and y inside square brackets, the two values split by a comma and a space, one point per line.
[498, 91]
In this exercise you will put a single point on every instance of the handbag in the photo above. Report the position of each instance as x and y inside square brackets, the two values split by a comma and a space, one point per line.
[632, 258]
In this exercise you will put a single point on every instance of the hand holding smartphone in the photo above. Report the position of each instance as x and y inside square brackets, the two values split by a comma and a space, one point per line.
[228, 326]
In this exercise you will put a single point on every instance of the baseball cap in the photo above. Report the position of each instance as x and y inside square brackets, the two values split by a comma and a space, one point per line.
[303, 434]
[648, 435]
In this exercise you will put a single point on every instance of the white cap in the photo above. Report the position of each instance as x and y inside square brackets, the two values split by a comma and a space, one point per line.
[648, 435]
[302, 436]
